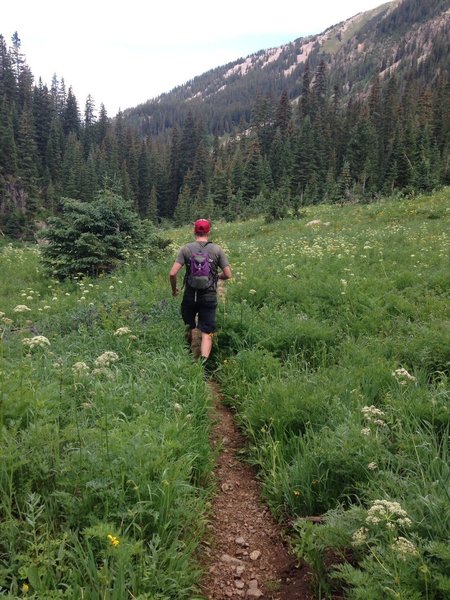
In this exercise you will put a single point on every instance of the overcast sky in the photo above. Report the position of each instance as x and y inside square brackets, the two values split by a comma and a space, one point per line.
[124, 53]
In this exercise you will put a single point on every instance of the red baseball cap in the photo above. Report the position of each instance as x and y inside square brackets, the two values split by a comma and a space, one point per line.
[202, 227]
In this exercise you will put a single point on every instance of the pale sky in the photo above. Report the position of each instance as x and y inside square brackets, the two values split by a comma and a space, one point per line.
[124, 53]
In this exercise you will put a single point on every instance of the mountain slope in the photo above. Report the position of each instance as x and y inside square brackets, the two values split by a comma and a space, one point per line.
[405, 37]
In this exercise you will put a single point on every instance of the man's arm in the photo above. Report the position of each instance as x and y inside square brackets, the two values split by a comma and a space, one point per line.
[173, 277]
[225, 274]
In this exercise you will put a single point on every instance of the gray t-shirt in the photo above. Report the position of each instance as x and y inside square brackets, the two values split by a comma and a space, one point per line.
[215, 253]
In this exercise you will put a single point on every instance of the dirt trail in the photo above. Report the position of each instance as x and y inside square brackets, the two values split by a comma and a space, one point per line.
[244, 555]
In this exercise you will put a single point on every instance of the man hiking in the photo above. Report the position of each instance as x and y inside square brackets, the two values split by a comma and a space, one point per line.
[202, 260]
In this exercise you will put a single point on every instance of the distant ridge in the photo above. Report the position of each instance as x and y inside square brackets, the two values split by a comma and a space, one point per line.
[405, 37]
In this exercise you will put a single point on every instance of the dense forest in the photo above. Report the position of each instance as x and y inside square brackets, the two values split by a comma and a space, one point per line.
[325, 145]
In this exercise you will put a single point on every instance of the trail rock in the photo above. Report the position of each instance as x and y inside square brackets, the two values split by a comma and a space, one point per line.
[255, 555]
[251, 593]
[230, 560]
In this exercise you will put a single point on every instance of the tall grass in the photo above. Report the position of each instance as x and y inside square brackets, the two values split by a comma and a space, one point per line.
[333, 349]
[105, 460]
[336, 356]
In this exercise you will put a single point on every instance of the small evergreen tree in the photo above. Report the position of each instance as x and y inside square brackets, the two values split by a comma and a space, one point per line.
[91, 237]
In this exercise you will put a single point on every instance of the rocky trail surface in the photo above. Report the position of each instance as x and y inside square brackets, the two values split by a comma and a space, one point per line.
[244, 555]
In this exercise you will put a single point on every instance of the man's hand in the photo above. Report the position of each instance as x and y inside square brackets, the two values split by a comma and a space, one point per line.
[173, 278]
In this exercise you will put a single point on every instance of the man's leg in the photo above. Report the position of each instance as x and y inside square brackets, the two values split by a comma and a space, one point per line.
[206, 347]
[207, 325]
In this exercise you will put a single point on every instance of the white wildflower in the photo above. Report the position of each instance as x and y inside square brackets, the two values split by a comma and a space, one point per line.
[103, 371]
[106, 359]
[360, 536]
[2, 314]
[389, 512]
[7, 321]
[38, 341]
[252, 291]
[372, 466]
[21, 308]
[344, 282]
[404, 548]
[177, 407]
[371, 413]
[122, 331]
[80, 367]
[365, 431]
[402, 376]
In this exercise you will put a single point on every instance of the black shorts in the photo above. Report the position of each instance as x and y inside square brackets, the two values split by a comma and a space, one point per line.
[201, 306]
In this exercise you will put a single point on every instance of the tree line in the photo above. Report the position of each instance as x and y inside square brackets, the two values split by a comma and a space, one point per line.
[321, 146]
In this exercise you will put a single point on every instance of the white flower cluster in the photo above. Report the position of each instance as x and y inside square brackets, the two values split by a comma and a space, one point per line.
[386, 511]
[360, 536]
[372, 414]
[122, 331]
[403, 376]
[80, 368]
[38, 341]
[21, 308]
[404, 548]
[106, 359]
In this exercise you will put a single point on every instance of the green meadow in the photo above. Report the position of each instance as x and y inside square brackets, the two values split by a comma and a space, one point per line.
[334, 352]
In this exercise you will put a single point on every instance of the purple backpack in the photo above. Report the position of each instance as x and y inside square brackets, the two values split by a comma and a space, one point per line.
[201, 272]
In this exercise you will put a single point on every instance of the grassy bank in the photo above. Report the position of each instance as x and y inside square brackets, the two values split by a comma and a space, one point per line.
[104, 437]
[335, 353]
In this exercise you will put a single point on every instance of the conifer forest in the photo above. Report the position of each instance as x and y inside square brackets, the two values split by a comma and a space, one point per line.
[316, 143]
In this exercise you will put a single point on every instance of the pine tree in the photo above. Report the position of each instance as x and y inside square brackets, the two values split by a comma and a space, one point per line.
[7, 77]
[88, 125]
[152, 211]
[71, 115]
[283, 114]
[305, 97]
[8, 150]
[27, 153]
[253, 173]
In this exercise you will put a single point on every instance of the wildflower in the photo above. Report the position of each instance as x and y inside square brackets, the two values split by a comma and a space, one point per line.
[103, 371]
[402, 376]
[344, 282]
[252, 291]
[365, 431]
[122, 331]
[106, 359]
[2, 314]
[360, 536]
[113, 540]
[372, 466]
[25, 588]
[297, 493]
[388, 512]
[21, 308]
[372, 412]
[80, 367]
[404, 548]
[177, 407]
[38, 341]
[7, 321]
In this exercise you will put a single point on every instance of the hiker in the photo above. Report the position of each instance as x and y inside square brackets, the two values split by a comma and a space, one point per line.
[202, 260]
